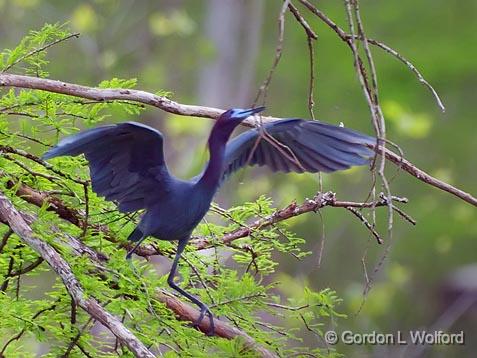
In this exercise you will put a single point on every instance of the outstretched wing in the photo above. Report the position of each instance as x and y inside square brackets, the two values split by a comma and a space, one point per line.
[299, 146]
[126, 162]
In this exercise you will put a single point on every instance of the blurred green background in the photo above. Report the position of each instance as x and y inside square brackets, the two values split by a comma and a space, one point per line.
[218, 52]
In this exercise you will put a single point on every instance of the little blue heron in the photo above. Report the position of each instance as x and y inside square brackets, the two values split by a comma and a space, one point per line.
[127, 166]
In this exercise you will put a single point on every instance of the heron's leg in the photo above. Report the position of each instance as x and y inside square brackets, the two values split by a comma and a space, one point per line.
[130, 252]
[170, 280]
[129, 256]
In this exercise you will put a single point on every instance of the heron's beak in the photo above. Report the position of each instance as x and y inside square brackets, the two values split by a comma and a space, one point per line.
[251, 111]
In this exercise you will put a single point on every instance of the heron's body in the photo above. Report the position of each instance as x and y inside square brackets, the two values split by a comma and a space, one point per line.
[127, 166]
[176, 216]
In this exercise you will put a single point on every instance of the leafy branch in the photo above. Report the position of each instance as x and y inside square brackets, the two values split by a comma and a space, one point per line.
[15, 221]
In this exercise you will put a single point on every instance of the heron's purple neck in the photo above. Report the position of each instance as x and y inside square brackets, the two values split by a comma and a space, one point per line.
[218, 138]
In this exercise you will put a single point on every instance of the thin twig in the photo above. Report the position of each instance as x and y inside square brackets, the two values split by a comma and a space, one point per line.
[238, 299]
[366, 223]
[346, 37]
[310, 37]
[311, 81]
[37, 50]
[309, 31]
[411, 67]
[288, 308]
[278, 54]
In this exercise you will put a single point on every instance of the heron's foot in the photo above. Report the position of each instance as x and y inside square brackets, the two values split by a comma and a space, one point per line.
[129, 255]
[196, 324]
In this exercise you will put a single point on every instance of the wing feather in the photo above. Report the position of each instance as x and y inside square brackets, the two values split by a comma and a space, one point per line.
[126, 162]
[316, 146]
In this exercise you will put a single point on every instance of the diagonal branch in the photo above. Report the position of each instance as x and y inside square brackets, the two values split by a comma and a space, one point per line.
[427, 178]
[411, 67]
[320, 201]
[348, 37]
[106, 94]
[182, 310]
[9, 214]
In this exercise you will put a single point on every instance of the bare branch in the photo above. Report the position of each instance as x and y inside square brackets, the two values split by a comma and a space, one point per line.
[278, 54]
[366, 223]
[100, 94]
[309, 31]
[320, 200]
[110, 94]
[413, 68]
[347, 37]
[427, 178]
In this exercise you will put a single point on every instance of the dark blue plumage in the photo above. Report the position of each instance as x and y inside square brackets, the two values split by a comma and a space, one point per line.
[127, 166]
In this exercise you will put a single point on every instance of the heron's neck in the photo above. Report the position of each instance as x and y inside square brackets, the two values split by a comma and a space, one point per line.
[213, 172]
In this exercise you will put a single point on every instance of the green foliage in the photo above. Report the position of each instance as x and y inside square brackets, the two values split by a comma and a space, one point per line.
[29, 53]
[120, 40]
[35, 305]
[262, 243]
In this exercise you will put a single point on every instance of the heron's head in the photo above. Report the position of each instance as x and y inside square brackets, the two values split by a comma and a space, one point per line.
[237, 115]
[228, 121]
